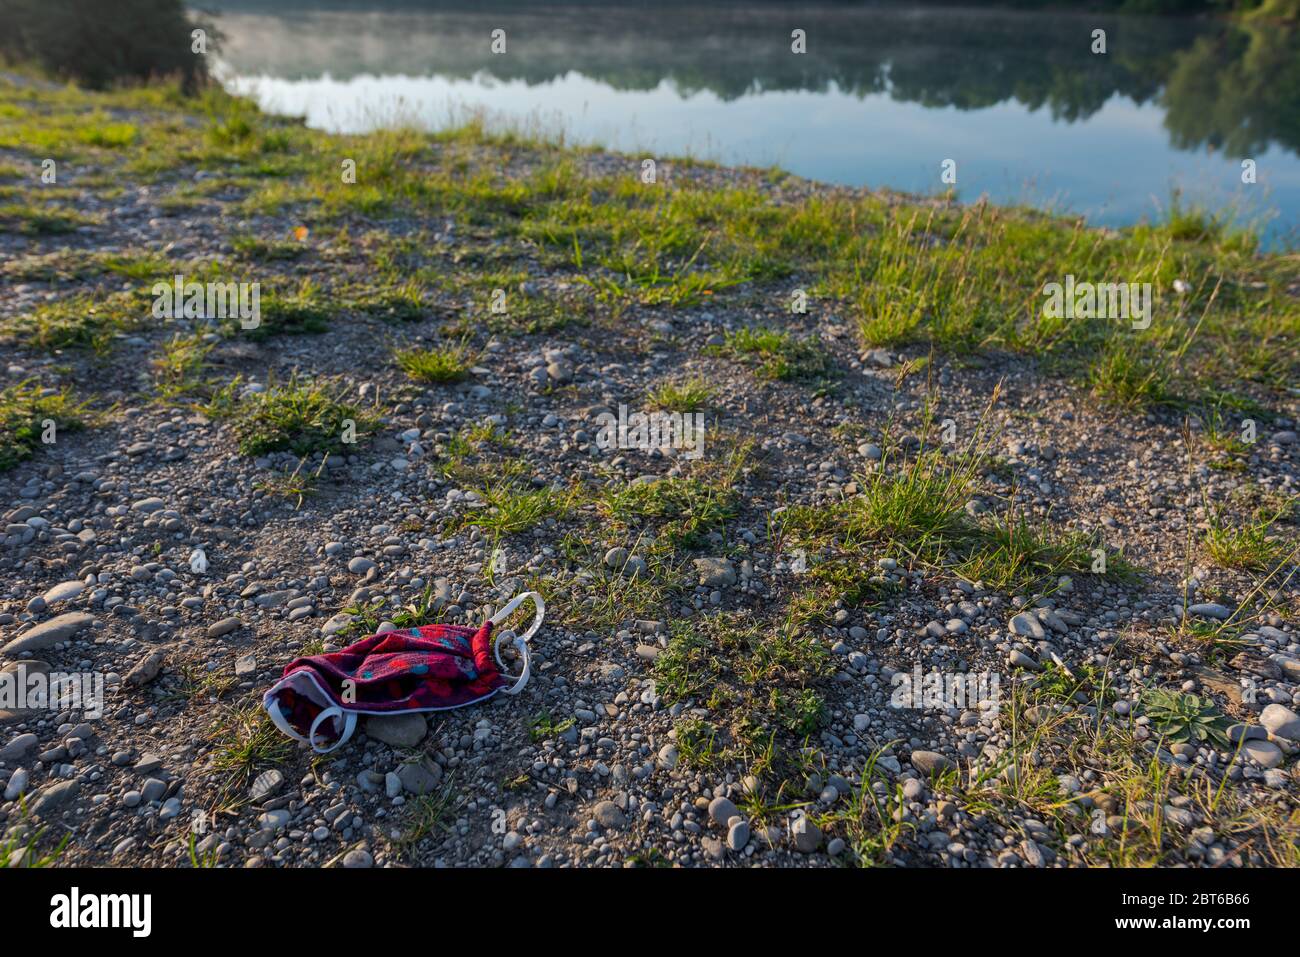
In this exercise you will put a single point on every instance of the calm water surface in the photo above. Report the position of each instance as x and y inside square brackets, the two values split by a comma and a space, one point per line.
[882, 97]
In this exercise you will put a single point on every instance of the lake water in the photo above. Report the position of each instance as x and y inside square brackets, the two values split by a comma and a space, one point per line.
[882, 97]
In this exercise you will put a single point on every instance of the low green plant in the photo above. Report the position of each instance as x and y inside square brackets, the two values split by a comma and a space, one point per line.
[1185, 718]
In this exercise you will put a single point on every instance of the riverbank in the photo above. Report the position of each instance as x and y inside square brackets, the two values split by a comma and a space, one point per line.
[909, 463]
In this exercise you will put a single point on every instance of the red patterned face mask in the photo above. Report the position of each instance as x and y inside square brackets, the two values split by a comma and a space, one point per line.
[430, 668]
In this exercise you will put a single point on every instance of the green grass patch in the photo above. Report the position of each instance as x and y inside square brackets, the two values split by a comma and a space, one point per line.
[776, 355]
[81, 321]
[759, 679]
[26, 410]
[682, 395]
[299, 416]
[438, 366]
[1254, 545]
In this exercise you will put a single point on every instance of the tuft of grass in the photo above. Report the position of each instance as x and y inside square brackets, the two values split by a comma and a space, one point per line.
[543, 726]
[760, 678]
[436, 366]
[80, 322]
[25, 409]
[685, 395]
[403, 302]
[179, 367]
[20, 849]
[777, 355]
[685, 508]
[1013, 551]
[1130, 378]
[425, 815]
[511, 508]
[600, 597]
[256, 249]
[1253, 546]
[301, 417]
[246, 741]
[873, 819]
[34, 219]
[917, 507]
[304, 311]
[293, 485]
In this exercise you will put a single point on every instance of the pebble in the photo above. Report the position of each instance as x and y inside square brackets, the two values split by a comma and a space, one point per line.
[738, 835]
[398, 730]
[266, 784]
[48, 633]
[420, 777]
[1281, 722]
[722, 810]
[358, 857]
[65, 591]
[931, 762]
[715, 572]
[224, 627]
[608, 815]
[806, 835]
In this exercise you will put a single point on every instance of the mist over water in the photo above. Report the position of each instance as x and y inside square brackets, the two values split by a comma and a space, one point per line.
[881, 98]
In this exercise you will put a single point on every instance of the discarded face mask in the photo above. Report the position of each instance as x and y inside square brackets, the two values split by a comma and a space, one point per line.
[430, 668]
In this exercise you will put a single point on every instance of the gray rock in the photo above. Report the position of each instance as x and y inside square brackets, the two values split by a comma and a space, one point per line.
[274, 820]
[1211, 610]
[336, 624]
[48, 633]
[358, 857]
[64, 591]
[266, 784]
[148, 763]
[722, 810]
[1264, 753]
[931, 762]
[1250, 732]
[392, 784]
[668, 757]
[18, 747]
[715, 572]
[224, 627]
[609, 815]
[1281, 722]
[1019, 659]
[738, 835]
[420, 777]
[398, 730]
[1027, 626]
[17, 785]
[49, 801]
[147, 670]
[154, 789]
[805, 835]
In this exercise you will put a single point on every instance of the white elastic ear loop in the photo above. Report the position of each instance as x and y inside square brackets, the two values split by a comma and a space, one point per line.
[349, 725]
[520, 641]
[514, 603]
[277, 718]
[522, 645]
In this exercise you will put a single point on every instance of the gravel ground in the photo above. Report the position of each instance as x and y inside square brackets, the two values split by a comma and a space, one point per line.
[598, 762]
